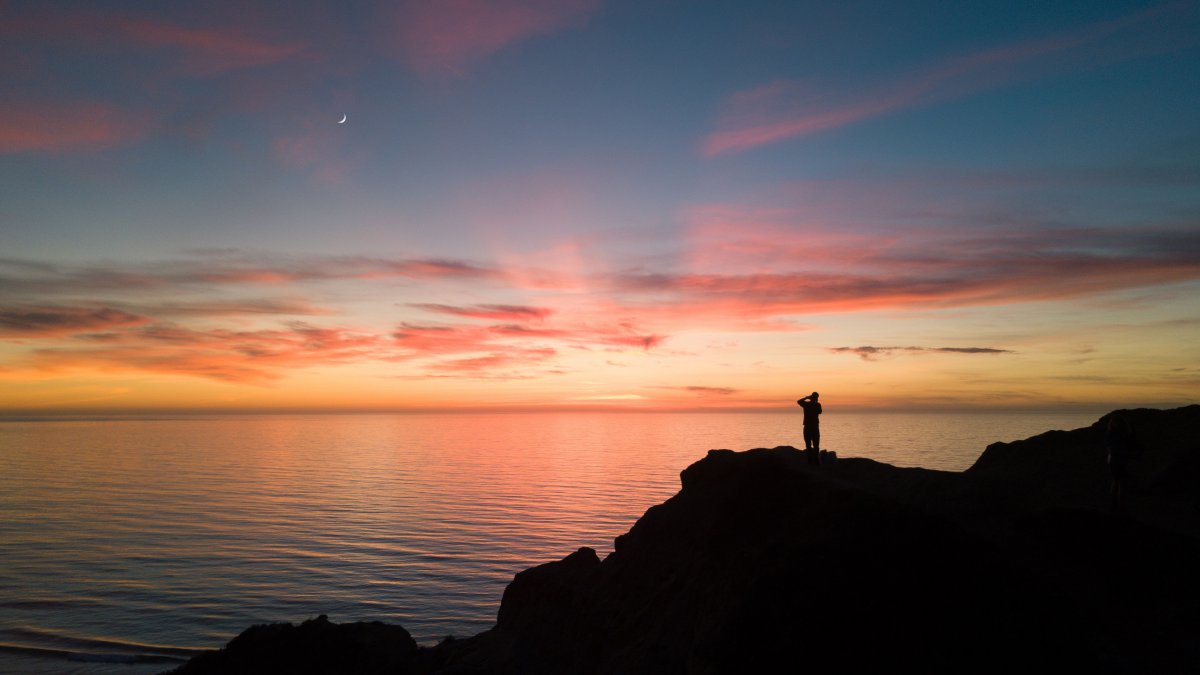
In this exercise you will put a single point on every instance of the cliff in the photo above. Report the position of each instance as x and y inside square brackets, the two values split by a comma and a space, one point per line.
[763, 563]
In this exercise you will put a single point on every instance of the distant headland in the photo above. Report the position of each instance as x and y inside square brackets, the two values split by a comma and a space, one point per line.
[764, 563]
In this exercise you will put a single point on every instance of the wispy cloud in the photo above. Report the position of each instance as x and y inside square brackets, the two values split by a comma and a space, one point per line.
[756, 263]
[41, 126]
[902, 278]
[699, 390]
[254, 356]
[224, 308]
[508, 364]
[868, 353]
[197, 49]
[441, 340]
[49, 320]
[470, 349]
[783, 110]
[24, 276]
[202, 50]
[933, 267]
[206, 315]
[440, 38]
[48, 110]
[492, 312]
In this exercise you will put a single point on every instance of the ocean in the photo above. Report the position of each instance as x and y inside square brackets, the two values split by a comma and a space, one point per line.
[125, 544]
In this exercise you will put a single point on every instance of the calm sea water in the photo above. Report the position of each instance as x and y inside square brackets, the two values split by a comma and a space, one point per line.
[125, 543]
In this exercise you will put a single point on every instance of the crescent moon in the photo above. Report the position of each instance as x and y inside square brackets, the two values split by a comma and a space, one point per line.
[343, 120]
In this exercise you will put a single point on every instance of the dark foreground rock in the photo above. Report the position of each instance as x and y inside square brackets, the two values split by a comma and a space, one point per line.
[762, 563]
[315, 646]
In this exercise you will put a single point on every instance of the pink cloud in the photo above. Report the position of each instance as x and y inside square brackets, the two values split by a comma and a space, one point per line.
[475, 352]
[317, 149]
[644, 342]
[475, 349]
[139, 51]
[760, 239]
[783, 110]
[201, 50]
[781, 118]
[300, 150]
[204, 51]
[432, 340]
[444, 37]
[33, 126]
[896, 283]
[515, 358]
[746, 270]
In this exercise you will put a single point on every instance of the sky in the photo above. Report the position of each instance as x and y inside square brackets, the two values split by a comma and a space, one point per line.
[592, 204]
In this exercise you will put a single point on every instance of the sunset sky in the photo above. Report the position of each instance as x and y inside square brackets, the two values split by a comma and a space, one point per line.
[583, 203]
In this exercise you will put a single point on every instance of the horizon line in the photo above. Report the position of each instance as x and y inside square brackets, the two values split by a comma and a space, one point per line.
[20, 414]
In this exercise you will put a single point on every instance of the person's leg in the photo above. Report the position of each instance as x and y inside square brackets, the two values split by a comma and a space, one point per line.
[809, 451]
[816, 435]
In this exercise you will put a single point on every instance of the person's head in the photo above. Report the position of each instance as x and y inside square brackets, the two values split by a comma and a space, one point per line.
[815, 396]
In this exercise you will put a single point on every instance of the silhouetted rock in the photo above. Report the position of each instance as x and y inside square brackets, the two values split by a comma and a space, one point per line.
[764, 563]
[316, 646]
[1067, 469]
[762, 560]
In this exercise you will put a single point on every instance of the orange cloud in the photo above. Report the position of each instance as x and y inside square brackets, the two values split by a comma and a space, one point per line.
[254, 357]
[493, 312]
[491, 363]
[442, 339]
[444, 37]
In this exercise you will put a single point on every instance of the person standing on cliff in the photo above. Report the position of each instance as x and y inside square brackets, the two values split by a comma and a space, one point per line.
[812, 427]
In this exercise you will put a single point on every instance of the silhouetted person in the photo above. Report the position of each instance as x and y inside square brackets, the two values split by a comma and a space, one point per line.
[812, 427]
[1122, 449]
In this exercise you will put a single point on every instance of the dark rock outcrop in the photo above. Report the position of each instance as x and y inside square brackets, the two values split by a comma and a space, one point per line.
[316, 646]
[1067, 469]
[763, 563]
